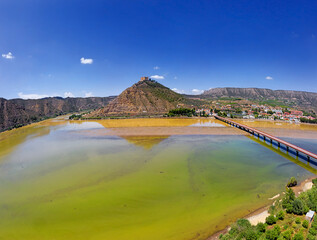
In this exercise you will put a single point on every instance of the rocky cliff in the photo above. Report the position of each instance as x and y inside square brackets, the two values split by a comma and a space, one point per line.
[17, 112]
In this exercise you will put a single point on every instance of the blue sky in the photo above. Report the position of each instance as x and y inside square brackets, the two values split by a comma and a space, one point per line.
[99, 48]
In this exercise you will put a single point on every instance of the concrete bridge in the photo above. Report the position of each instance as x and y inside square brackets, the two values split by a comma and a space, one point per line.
[266, 136]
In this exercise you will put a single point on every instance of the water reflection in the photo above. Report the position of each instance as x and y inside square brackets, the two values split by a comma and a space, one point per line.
[291, 155]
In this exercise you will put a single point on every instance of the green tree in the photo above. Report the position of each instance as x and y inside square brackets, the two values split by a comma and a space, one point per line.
[310, 237]
[305, 224]
[260, 227]
[273, 234]
[287, 234]
[270, 220]
[298, 236]
[298, 207]
[280, 215]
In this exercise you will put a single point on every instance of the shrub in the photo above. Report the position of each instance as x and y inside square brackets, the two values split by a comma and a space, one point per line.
[287, 234]
[298, 236]
[292, 182]
[305, 224]
[285, 227]
[243, 224]
[298, 207]
[280, 215]
[310, 237]
[314, 181]
[314, 225]
[273, 234]
[313, 231]
[270, 220]
[260, 227]
[297, 220]
[289, 197]
[250, 235]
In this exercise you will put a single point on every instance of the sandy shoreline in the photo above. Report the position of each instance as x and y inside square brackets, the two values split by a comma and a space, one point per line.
[260, 214]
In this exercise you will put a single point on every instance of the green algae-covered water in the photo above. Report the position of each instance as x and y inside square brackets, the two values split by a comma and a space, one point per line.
[57, 181]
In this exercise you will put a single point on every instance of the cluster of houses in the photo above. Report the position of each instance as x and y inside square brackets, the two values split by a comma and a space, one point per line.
[253, 111]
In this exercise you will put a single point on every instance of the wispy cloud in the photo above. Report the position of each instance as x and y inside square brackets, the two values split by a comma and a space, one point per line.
[86, 60]
[32, 95]
[190, 92]
[157, 77]
[197, 91]
[9, 55]
[178, 90]
[269, 78]
[68, 94]
[89, 94]
[156, 68]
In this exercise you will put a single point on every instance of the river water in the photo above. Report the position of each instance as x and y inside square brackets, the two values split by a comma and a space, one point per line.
[57, 181]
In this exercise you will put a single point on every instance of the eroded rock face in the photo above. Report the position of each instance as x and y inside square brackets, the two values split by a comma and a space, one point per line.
[145, 97]
[305, 100]
[16, 112]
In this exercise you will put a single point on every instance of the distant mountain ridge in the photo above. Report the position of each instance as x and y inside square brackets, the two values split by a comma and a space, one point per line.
[17, 112]
[302, 99]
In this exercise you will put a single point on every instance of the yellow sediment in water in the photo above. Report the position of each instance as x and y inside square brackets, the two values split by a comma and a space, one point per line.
[154, 122]
[278, 124]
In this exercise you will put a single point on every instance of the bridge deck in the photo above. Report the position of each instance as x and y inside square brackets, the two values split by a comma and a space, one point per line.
[266, 135]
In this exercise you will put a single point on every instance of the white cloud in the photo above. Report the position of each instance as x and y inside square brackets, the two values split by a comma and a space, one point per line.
[178, 90]
[8, 55]
[89, 94]
[197, 91]
[191, 92]
[157, 77]
[68, 94]
[31, 96]
[86, 60]
[269, 78]
[156, 68]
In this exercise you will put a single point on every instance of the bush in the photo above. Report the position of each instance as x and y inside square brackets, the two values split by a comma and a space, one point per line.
[287, 234]
[310, 237]
[260, 227]
[292, 182]
[313, 231]
[270, 220]
[243, 224]
[297, 220]
[298, 207]
[280, 215]
[313, 225]
[289, 198]
[298, 236]
[273, 234]
[305, 224]
[250, 235]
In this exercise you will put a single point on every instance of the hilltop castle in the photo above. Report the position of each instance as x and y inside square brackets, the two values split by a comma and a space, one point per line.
[144, 78]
